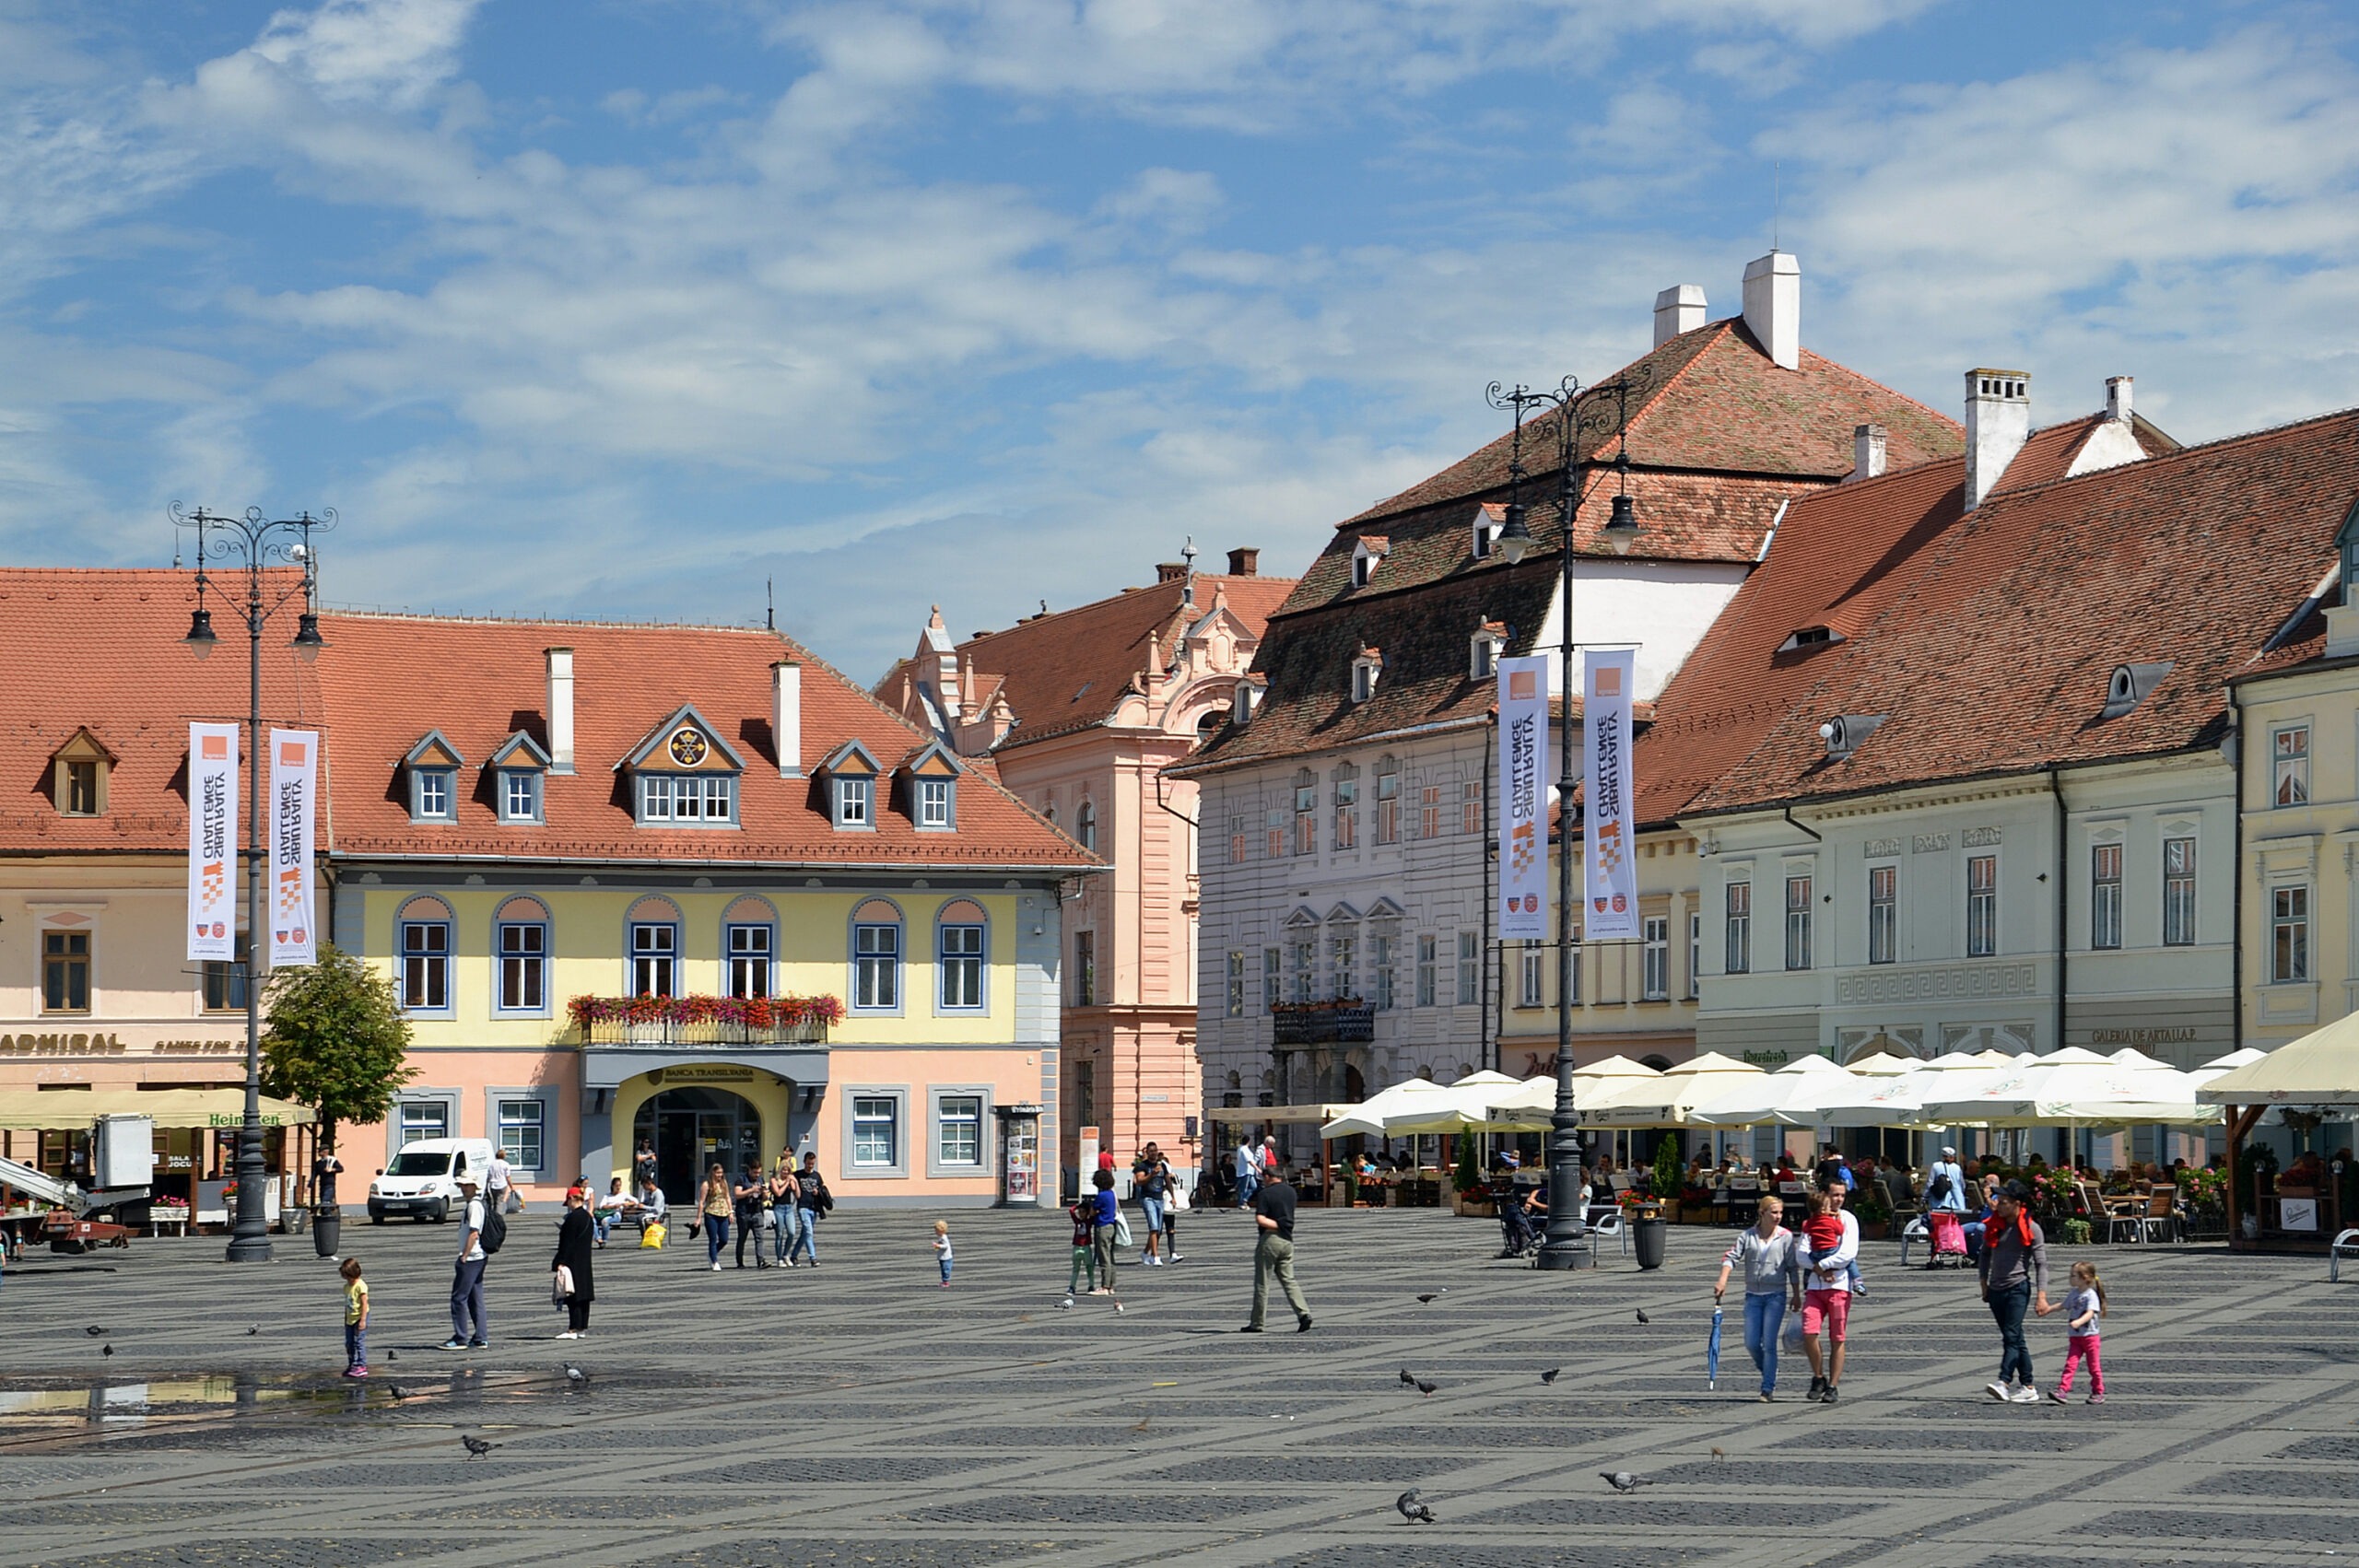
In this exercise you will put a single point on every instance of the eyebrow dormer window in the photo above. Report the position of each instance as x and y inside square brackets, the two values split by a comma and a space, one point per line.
[855, 801]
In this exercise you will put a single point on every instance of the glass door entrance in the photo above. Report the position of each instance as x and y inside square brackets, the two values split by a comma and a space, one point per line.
[693, 1130]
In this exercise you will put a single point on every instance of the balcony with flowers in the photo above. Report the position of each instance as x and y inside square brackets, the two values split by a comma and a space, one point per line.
[704, 1020]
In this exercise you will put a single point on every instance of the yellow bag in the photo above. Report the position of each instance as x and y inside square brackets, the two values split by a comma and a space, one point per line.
[652, 1235]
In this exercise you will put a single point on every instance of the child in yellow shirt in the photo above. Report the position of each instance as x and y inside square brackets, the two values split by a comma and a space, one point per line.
[356, 1320]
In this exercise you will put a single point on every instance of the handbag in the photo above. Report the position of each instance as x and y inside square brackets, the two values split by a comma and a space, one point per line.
[561, 1285]
[1122, 1229]
[1175, 1200]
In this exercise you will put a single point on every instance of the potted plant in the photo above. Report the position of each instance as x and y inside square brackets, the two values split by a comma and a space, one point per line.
[1474, 1198]
[1874, 1208]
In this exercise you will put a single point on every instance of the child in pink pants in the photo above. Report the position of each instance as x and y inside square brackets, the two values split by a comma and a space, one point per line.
[2083, 1307]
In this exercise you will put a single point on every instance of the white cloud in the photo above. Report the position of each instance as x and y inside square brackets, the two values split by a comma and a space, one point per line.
[393, 52]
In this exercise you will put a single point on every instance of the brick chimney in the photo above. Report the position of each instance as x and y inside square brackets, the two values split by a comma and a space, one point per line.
[560, 667]
[1998, 422]
[1867, 452]
[786, 717]
[1170, 571]
[1244, 563]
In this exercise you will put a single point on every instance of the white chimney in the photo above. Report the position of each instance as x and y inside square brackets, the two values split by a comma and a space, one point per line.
[1773, 307]
[786, 717]
[1998, 422]
[560, 709]
[2116, 399]
[1867, 452]
[1678, 310]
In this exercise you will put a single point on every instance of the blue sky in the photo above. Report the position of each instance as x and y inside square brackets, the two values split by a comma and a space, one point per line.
[575, 307]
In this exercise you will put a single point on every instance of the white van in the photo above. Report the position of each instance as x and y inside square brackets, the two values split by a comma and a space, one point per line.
[423, 1180]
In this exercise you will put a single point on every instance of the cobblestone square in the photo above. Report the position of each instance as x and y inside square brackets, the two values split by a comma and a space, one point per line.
[860, 1415]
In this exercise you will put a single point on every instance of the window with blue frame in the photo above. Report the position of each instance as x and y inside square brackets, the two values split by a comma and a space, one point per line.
[961, 962]
[426, 964]
[749, 961]
[523, 966]
[877, 966]
[519, 794]
[430, 798]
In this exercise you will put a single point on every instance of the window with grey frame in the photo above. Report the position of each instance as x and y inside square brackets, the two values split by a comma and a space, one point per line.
[1470, 968]
[1798, 922]
[1981, 905]
[2178, 893]
[2288, 764]
[876, 1132]
[958, 1131]
[1306, 956]
[420, 1119]
[1654, 961]
[960, 961]
[1428, 964]
[2289, 935]
[933, 803]
[1344, 965]
[65, 971]
[1085, 969]
[521, 1129]
[1694, 953]
[519, 794]
[1387, 800]
[1347, 806]
[1273, 980]
[430, 794]
[1533, 965]
[2104, 895]
[1884, 914]
[1381, 946]
[1736, 956]
[1306, 813]
[1236, 979]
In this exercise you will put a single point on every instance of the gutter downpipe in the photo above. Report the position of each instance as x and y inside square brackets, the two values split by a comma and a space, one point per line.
[2063, 958]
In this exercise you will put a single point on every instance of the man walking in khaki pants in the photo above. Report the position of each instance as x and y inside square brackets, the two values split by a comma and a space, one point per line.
[1274, 1253]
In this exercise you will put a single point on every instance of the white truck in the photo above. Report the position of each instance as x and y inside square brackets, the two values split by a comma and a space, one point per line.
[123, 1171]
[423, 1180]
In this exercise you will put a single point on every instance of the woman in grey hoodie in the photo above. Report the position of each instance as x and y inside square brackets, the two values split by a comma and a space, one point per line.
[1771, 1257]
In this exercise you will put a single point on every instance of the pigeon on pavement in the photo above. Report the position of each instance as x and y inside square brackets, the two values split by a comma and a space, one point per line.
[574, 1374]
[391, 1356]
[106, 1350]
[1425, 1388]
[1550, 1375]
[476, 1447]
[397, 1391]
[1408, 1378]
[251, 1329]
[1412, 1510]
[95, 1332]
[1431, 1294]
[1623, 1481]
[1642, 1315]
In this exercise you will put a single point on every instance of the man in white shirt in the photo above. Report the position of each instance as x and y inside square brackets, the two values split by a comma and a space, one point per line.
[466, 1281]
[499, 1182]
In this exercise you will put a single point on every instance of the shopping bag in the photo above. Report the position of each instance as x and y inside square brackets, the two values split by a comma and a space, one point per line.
[1122, 1229]
[1791, 1338]
[1178, 1202]
[653, 1235]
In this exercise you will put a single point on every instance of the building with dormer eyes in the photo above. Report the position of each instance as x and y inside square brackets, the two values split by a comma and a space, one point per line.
[682, 884]
[1079, 712]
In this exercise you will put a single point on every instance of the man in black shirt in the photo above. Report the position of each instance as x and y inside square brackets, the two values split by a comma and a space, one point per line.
[1274, 1253]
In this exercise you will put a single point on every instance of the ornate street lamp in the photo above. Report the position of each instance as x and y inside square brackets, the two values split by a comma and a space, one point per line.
[1602, 411]
[252, 541]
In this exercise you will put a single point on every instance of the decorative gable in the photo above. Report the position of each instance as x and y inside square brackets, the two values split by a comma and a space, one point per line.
[517, 770]
[930, 786]
[850, 772]
[684, 742]
[520, 750]
[683, 774]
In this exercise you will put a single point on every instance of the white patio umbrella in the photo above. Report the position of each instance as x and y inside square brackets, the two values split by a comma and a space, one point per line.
[2319, 1068]
[2072, 1088]
[1462, 1107]
[1368, 1117]
[1666, 1101]
[1787, 1097]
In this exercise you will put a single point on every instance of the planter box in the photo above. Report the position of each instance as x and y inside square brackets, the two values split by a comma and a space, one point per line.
[1477, 1208]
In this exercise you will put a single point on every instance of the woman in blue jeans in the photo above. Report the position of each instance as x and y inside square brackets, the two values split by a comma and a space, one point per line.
[714, 1206]
[1772, 1258]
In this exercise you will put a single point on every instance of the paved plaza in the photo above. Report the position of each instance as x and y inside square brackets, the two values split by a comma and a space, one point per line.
[861, 1416]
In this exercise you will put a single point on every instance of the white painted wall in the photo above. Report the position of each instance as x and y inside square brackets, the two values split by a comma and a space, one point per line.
[1662, 607]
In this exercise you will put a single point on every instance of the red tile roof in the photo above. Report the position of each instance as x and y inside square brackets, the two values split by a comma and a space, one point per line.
[1990, 638]
[1069, 669]
[108, 646]
[2048, 454]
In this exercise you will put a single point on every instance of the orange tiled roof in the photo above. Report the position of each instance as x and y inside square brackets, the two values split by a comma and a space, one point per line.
[1996, 634]
[108, 645]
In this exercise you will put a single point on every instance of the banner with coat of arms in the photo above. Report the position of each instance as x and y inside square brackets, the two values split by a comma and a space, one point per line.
[1610, 877]
[294, 773]
[212, 842]
[1524, 798]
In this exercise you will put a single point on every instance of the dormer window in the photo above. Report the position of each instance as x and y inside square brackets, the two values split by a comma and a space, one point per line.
[433, 766]
[685, 774]
[930, 790]
[1846, 732]
[1489, 519]
[1484, 651]
[1810, 637]
[1366, 670]
[2130, 686]
[517, 770]
[851, 775]
[80, 779]
[1367, 555]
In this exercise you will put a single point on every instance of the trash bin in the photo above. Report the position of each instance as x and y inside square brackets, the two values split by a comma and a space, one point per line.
[327, 1230]
[1647, 1235]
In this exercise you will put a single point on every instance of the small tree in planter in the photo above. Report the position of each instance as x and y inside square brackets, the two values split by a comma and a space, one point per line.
[1467, 1178]
[338, 1042]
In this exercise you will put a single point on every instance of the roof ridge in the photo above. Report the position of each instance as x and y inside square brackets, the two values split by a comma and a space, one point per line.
[369, 613]
[2147, 463]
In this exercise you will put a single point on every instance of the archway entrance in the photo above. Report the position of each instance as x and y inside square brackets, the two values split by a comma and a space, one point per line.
[692, 1129]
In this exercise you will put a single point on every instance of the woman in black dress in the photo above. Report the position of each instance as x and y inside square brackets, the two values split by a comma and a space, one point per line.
[576, 1236]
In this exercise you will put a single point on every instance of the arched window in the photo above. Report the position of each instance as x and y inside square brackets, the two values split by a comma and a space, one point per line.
[877, 958]
[519, 940]
[959, 956]
[749, 945]
[653, 951]
[422, 927]
[1085, 825]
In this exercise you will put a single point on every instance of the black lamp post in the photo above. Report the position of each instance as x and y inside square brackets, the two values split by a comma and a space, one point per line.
[1602, 411]
[251, 541]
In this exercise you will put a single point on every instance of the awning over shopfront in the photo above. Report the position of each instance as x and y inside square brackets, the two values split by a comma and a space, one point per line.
[53, 1110]
[609, 1066]
[2319, 1068]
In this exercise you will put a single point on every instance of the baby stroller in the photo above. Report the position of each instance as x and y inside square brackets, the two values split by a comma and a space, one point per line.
[1948, 1235]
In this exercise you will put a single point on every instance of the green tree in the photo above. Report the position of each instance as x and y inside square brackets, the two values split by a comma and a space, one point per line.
[337, 1042]
[1670, 1175]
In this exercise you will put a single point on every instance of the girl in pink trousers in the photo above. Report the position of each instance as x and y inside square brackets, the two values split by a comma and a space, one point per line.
[2082, 1309]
